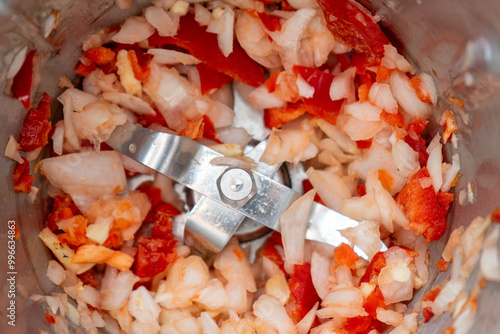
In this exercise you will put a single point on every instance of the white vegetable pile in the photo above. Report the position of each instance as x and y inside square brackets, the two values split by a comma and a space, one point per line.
[233, 295]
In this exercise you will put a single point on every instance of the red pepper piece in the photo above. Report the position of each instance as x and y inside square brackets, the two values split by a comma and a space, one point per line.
[321, 105]
[302, 289]
[44, 105]
[374, 301]
[141, 72]
[357, 324]
[88, 278]
[392, 119]
[22, 83]
[161, 216]
[376, 264]
[361, 190]
[49, 318]
[211, 80]
[193, 129]
[153, 255]
[344, 255]
[63, 208]
[270, 22]
[421, 206]
[364, 60]
[415, 141]
[100, 56]
[429, 296]
[271, 252]
[76, 233]
[495, 215]
[153, 193]
[84, 70]
[22, 178]
[445, 199]
[354, 27]
[204, 46]
[276, 117]
[307, 185]
[364, 144]
[145, 120]
[114, 239]
[35, 131]
[209, 130]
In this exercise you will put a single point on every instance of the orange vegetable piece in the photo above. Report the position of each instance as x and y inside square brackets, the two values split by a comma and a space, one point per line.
[344, 255]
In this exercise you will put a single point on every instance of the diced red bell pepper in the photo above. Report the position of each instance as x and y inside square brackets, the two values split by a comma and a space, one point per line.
[211, 80]
[100, 55]
[307, 186]
[357, 324]
[445, 199]
[84, 70]
[44, 105]
[302, 289]
[495, 215]
[141, 72]
[193, 130]
[22, 178]
[364, 60]
[153, 193]
[209, 130]
[271, 252]
[204, 46]
[276, 117]
[161, 218]
[153, 255]
[361, 190]
[422, 92]
[415, 141]
[49, 318]
[383, 73]
[63, 208]
[421, 206]
[321, 105]
[35, 131]
[344, 255]
[429, 296]
[364, 144]
[22, 83]
[76, 234]
[270, 22]
[374, 300]
[442, 264]
[376, 264]
[392, 119]
[354, 27]
[145, 120]
[88, 278]
[114, 239]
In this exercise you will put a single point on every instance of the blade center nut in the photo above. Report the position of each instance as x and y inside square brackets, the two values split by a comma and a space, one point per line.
[236, 186]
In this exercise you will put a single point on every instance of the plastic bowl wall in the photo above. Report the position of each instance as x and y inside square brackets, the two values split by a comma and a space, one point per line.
[455, 40]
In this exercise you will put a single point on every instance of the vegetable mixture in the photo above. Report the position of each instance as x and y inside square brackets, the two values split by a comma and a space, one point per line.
[337, 97]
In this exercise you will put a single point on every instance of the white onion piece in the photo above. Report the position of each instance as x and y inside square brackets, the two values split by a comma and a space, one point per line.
[344, 302]
[18, 55]
[208, 324]
[233, 135]
[305, 89]
[271, 311]
[90, 173]
[434, 163]
[363, 111]
[490, 262]
[213, 297]
[320, 271]
[330, 187]
[377, 158]
[123, 4]
[392, 59]
[277, 286]
[380, 95]
[131, 102]
[142, 306]
[358, 129]
[293, 226]
[304, 325]
[116, 287]
[298, 4]
[405, 158]
[238, 301]
[126, 73]
[290, 36]
[447, 295]
[288, 144]
[99, 231]
[11, 151]
[260, 98]
[234, 268]
[58, 138]
[342, 139]
[407, 97]
[389, 317]
[226, 36]
[79, 99]
[362, 208]
[366, 236]
[135, 29]
[170, 57]
[187, 277]
[342, 86]
[430, 85]
[397, 277]
[450, 174]
[162, 21]
[202, 15]
[55, 272]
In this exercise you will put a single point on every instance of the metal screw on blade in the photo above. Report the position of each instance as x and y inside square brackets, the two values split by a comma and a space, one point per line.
[236, 186]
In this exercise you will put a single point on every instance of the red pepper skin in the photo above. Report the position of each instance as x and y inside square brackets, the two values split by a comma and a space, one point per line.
[211, 80]
[204, 46]
[63, 208]
[22, 178]
[88, 278]
[153, 255]
[422, 207]
[364, 36]
[276, 117]
[357, 324]
[376, 264]
[415, 141]
[271, 252]
[303, 291]
[36, 128]
[23, 81]
[392, 119]
[321, 105]
[429, 296]
[270, 22]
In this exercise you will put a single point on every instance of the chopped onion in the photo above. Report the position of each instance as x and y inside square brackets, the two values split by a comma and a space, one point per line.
[389, 317]
[271, 311]
[170, 57]
[131, 102]
[407, 97]
[142, 306]
[305, 89]
[260, 98]
[450, 173]
[366, 236]
[293, 224]
[342, 86]
[380, 95]
[405, 158]
[90, 173]
[99, 231]
[238, 301]
[490, 262]
[116, 287]
[330, 187]
[363, 111]
[213, 297]
[320, 271]
[447, 295]
[165, 24]
[358, 129]
[134, 30]
[202, 15]
[55, 273]
[430, 85]
[58, 138]
[344, 302]
[277, 286]
[434, 163]
[11, 151]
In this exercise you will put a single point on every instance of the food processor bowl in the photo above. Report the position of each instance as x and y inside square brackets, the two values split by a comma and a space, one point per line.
[456, 41]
